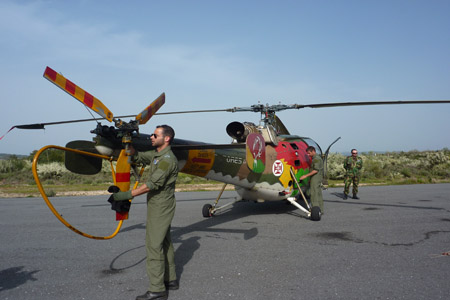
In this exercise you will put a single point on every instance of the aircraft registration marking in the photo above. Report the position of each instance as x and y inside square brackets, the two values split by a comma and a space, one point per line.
[234, 160]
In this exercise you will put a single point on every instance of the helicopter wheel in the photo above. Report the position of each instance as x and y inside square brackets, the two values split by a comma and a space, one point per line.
[206, 211]
[316, 214]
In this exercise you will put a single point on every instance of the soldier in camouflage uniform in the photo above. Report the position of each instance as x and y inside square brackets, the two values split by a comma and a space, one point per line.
[352, 165]
[160, 190]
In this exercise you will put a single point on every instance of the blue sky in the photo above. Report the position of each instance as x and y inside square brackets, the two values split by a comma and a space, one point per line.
[222, 54]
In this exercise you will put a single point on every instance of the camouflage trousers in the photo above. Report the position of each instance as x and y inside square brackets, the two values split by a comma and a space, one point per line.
[348, 180]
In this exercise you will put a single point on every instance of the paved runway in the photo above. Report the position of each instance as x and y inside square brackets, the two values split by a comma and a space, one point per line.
[388, 245]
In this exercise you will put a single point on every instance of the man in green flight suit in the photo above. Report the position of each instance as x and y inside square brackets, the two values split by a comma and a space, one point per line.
[352, 165]
[316, 175]
[160, 189]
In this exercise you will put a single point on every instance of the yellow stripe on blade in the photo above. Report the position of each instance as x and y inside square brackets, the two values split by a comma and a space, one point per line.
[78, 93]
[150, 110]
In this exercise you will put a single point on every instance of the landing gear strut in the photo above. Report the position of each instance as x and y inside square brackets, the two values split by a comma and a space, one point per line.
[313, 213]
[209, 210]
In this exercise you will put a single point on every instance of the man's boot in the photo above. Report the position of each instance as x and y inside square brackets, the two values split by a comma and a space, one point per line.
[355, 197]
[153, 296]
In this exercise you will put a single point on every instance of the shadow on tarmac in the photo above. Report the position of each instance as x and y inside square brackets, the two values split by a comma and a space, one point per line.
[14, 277]
[187, 248]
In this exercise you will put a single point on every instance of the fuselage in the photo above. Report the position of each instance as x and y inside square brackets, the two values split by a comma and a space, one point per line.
[229, 165]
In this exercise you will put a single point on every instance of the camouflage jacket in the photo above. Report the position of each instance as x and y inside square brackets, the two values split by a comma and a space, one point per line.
[353, 166]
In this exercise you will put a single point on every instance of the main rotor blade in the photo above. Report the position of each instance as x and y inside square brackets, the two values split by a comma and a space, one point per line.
[195, 111]
[281, 107]
[78, 93]
[150, 110]
[42, 125]
[337, 104]
[239, 109]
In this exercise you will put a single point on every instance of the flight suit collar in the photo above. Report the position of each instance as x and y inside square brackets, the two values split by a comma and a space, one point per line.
[163, 151]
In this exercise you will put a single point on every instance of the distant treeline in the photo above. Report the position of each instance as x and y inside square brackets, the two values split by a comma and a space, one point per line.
[390, 167]
[6, 156]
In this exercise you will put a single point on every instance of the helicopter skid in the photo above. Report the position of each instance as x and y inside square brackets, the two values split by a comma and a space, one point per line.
[293, 202]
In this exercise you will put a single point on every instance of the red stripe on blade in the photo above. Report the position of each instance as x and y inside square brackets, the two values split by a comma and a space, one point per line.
[122, 177]
[88, 99]
[70, 86]
[121, 216]
[50, 73]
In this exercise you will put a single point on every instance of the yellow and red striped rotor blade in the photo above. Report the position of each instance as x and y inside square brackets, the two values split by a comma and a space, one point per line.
[150, 110]
[122, 179]
[78, 93]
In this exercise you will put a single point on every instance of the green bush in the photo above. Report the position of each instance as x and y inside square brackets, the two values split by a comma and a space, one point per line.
[50, 193]
[412, 166]
[48, 156]
[13, 164]
[406, 172]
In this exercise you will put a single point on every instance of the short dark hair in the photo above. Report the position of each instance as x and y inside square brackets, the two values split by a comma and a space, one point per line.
[310, 148]
[167, 131]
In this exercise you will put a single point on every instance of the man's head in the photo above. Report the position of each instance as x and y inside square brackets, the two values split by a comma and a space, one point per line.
[354, 152]
[162, 136]
[311, 151]
[167, 132]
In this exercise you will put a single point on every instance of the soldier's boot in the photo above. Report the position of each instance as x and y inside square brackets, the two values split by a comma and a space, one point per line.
[345, 196]
[355, 196]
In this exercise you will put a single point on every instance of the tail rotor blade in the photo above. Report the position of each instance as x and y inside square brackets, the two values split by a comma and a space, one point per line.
[78, 93]
[7, 132]
[150, 110]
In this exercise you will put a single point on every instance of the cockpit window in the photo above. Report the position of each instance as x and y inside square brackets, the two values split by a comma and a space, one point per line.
[311, 142]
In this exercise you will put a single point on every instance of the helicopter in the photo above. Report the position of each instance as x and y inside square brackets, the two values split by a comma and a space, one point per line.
[264, 162]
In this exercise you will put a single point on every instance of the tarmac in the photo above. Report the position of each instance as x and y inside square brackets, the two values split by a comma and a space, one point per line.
[393, 243]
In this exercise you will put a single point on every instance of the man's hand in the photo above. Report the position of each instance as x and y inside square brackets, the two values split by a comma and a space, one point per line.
[120, 196]
[120, 201]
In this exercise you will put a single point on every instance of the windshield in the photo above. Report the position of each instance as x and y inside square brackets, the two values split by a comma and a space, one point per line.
[311, 142]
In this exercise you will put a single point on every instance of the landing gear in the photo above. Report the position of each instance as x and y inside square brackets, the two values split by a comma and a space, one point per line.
[316, 213]
[207, 210]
